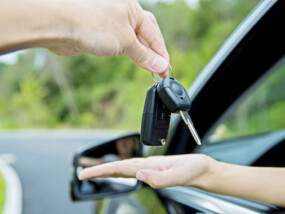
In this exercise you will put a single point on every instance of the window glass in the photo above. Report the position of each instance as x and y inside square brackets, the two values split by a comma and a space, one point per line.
[263, 109]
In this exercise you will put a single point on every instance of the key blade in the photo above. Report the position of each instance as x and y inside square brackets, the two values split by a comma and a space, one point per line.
[190, 126]
[194, 132]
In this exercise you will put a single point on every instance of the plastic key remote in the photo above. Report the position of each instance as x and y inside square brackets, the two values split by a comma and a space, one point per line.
[177, 100]
[173, 95]
[155, 120]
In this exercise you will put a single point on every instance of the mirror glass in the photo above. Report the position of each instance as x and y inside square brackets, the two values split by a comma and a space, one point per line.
[114, 150]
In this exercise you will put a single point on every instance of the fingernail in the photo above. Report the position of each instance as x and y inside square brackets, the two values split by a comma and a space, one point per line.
[141, 176]
[159, 64]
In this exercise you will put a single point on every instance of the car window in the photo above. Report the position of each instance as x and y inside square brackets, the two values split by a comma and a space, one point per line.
[259, 111]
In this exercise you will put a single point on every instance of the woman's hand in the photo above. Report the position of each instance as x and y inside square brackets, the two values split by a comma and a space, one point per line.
[157, 171]
[264, 184]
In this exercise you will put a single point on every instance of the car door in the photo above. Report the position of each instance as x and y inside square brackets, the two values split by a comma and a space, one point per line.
[250, 63]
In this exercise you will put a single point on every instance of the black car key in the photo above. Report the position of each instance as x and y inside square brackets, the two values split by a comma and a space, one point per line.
[177, 100]
[155, 120]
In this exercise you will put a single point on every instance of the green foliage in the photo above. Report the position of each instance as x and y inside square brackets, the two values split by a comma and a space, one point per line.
[21, 98]
[260, 112]
[93, 92]
[2, 193]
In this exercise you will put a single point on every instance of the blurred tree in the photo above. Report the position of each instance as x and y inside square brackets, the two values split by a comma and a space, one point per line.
[47, 91]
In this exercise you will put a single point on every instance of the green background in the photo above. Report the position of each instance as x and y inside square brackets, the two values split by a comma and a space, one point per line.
[43, 90]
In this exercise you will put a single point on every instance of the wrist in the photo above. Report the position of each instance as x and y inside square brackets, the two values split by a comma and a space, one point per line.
[208, 174]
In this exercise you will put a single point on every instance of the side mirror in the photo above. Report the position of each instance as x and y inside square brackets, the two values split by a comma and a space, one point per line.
[123, 147]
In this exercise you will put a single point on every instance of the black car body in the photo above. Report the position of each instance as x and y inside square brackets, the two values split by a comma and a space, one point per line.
[250, 56]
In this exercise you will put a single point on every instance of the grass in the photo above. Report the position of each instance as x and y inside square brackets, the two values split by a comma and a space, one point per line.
[2, 193]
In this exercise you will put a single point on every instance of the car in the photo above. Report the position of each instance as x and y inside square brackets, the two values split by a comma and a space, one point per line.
[237, 101]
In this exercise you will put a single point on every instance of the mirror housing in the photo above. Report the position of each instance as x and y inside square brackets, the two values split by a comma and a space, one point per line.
[118, 148]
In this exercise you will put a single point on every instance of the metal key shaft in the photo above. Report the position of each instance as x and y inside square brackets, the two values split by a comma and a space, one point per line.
[190, 127]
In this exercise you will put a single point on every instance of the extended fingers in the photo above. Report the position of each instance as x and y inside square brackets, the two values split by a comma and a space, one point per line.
[156, 171]
[124, 168]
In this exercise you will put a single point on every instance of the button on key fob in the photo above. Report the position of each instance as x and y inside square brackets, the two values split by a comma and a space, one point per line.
[173, 95]
[177, 100]
[155, 120]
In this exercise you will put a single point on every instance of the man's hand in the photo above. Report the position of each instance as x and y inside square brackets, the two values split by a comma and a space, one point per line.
[157, 171]
[101, 28]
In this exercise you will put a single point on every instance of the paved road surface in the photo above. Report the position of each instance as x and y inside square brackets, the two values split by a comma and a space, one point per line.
[43, 162]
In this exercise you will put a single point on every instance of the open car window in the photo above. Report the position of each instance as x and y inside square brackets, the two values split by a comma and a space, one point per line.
[259, 111]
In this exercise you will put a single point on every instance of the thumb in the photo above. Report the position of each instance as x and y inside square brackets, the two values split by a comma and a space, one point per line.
[146, 58]
[156, 179]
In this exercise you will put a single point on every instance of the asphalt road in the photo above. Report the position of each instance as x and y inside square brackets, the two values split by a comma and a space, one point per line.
[43, 161]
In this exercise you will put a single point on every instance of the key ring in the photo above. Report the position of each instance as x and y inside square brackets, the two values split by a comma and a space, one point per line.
[159, 80]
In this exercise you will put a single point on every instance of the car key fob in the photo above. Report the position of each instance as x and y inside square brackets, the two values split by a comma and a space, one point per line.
[173, 95]
[155, 120]
[177, 100]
